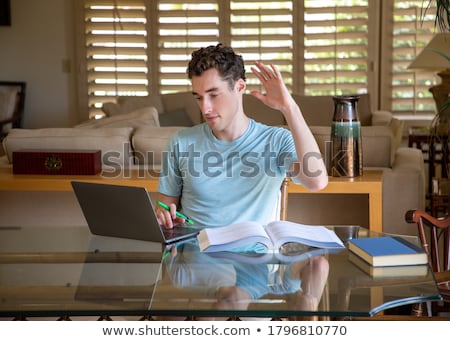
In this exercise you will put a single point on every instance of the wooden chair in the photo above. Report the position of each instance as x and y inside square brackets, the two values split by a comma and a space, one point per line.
[12, 117]
[435, 239]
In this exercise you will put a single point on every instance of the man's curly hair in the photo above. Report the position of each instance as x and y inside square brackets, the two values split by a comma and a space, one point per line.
[222, 58]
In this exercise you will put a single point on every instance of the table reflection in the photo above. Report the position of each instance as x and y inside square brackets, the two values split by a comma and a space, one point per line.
[232, 281]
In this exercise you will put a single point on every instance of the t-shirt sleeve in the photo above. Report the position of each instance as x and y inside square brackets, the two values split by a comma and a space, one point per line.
[287, 153]
[170, 181]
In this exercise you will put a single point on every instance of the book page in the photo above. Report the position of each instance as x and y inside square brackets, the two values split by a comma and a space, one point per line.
[282, 232]
[235, 235]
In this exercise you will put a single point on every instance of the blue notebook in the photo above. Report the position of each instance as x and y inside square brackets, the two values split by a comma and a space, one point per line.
[388, 251]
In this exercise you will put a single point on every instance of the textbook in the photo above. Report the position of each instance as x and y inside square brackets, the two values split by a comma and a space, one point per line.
[389, 271]
[388, 251]
[272, 236]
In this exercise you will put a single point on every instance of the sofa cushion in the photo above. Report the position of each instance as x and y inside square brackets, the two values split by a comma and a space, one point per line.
[260, 112]
[131, 103]
[111, 109]
[139, 117]
[150, 142]
[175, 118]
[172, 103]
[182, 100]
[127, 104]
[113, 142]
[319, 110]
[378, 148]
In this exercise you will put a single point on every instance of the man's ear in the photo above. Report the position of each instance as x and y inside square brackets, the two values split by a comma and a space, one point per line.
[241, 85]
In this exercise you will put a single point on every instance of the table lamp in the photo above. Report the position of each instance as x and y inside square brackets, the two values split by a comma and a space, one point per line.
[432, 58]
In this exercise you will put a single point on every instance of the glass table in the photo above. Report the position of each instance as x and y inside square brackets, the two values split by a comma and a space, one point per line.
[67, 272]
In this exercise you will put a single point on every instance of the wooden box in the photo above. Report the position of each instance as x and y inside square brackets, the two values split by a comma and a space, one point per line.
[57, 162]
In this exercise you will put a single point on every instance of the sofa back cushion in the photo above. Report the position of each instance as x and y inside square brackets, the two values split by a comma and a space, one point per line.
[131, 103]
[139, 117]
[113, 142]
[319, 110]
[173, 108]
[149, 144]
[378, 144]
[260, 112]
[182, 101]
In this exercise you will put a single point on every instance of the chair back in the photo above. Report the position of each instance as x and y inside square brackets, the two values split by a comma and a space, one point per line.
[434, 236]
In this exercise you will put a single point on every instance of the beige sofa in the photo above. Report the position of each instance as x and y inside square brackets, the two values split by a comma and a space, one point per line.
[135, 131]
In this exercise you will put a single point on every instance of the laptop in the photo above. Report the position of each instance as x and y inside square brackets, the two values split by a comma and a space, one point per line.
[125, 212]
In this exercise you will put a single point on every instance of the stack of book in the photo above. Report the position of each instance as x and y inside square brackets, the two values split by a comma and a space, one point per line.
[388, 256]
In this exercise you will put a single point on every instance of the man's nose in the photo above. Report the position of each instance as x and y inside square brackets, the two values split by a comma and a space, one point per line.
[206, 106]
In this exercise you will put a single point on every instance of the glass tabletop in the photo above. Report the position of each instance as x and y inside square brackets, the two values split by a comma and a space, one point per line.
[66, 271]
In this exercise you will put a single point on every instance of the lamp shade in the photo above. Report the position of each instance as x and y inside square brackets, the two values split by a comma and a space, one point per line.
[430, 59]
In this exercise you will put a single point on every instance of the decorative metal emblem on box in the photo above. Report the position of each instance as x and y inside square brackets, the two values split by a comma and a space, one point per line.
[57, 161]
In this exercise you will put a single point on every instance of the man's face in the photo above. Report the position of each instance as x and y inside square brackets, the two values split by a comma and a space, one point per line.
[219, 104]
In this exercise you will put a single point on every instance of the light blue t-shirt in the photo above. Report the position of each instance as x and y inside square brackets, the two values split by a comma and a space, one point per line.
[222, 182]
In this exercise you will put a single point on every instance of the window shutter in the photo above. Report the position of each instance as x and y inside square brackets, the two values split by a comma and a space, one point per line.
[335, 56]
[136, 47]
[263, 30]
[116, 50]
[410, 33]
[183, 27]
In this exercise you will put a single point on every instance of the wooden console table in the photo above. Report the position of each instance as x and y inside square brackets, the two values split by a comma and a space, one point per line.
[369, 183]
[18, 182]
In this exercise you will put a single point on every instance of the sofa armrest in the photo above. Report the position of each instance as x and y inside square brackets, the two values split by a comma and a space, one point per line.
[381, 118]
[386, 119]
[403, 190]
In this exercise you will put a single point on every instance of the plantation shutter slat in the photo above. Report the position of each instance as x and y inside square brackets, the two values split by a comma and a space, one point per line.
[131, 3]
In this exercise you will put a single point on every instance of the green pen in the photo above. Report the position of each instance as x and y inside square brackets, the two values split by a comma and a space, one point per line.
[178, 214]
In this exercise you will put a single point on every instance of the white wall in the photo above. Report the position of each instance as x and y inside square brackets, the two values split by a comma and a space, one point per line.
[38, 48]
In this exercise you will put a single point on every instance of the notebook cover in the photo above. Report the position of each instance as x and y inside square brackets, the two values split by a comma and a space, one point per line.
[388, 251]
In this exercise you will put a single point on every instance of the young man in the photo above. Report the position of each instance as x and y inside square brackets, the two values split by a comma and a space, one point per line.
[230, 168]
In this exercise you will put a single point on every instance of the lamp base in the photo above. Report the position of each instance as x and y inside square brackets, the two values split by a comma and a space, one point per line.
[441, 92]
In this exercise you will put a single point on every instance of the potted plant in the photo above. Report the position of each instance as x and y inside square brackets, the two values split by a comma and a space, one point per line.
[442, 17]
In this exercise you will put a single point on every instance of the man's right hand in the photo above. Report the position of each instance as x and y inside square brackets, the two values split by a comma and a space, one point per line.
[168, 218]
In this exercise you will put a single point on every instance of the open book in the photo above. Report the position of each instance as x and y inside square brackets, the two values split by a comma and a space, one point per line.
[272, 236]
